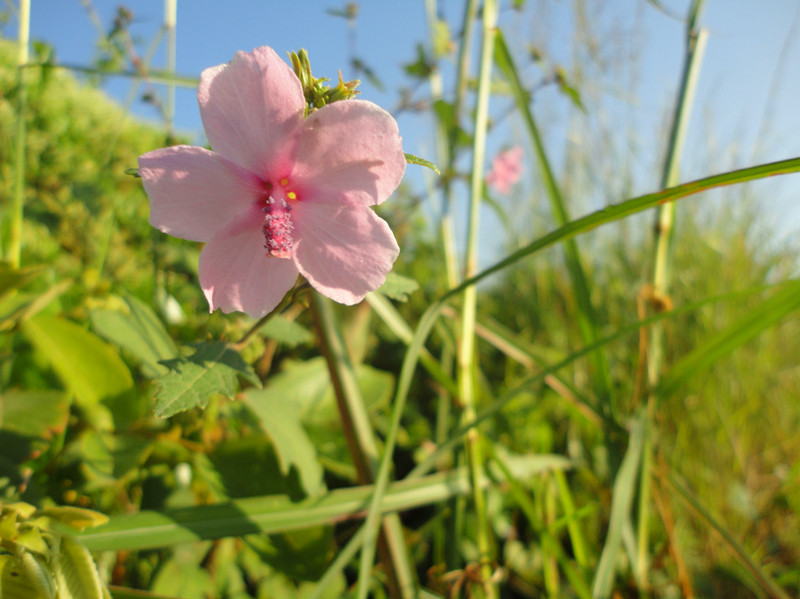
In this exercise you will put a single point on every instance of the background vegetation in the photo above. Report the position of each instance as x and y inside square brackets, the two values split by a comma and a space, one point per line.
[611, 432]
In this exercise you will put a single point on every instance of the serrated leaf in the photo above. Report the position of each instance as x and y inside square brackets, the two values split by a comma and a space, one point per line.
[138, 331]
[398, 287]
[212, 369]
[75, 573]
[281, 421]
[287, 332]
[87, 365]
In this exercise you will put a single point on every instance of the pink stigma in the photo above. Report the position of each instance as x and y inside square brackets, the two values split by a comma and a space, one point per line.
[277, 228]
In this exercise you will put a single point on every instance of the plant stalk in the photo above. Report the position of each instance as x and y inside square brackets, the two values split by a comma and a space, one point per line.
[362, 444]
[170, 22]
[466, 365]
[15, 231]
[664, 232]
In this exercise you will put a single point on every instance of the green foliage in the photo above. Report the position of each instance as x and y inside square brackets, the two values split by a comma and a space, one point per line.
[107, 351]
[192, 380]
[38, 561]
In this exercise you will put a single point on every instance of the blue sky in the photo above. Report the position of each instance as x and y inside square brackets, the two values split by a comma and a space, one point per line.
[746, 110]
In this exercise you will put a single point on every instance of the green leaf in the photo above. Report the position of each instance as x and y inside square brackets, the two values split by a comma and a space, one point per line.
[250, 467]
[569, 90]
[412, 159]
[139, 331]
[16, 278]
[754, 566]
[421, 68]
[37, 571]
[17, 307]
[88, 366]
[288, 332]
[15, 583]
[192, 380]
[35, 414]
[183, 576]
[75, 573]
[300, 554]
[281, 421]
[586, 315]
[279, 513]
[74, 517]
[307, 384]
[442, 40]
[398, 287]
[621, 500]
[754, 322]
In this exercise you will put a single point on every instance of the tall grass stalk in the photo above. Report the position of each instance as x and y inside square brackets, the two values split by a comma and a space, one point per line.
[587, 323]
[445, 537]
[15, 230]
[450, 142]
[363, 447]
[664, 232]
[467, 367]
[170, 22]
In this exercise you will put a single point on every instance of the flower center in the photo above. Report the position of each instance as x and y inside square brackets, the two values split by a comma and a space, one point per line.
[277, 225]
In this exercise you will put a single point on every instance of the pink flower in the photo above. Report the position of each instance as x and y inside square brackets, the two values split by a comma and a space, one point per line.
[506, 170]
[279, 194]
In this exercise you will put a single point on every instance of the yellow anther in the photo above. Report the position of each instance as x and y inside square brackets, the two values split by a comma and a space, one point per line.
[284, 181]
[291, 195]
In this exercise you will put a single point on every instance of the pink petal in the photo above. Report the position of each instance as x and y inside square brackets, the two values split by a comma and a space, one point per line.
[237, 275]
[350, 149]
[506, 170]
[344, 251]
[194, 192]
[251, 108]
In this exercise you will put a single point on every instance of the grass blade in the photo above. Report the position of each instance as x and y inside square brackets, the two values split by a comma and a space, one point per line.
[621, 499]
[278, 513]
[754, 322]
[739, 552]
[587, 321]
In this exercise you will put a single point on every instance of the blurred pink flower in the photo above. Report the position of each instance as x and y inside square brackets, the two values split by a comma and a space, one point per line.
[279, 194]
[506, 170]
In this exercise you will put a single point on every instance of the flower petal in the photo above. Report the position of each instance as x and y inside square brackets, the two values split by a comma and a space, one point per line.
[351, 149]
[237, 275]
[344, 251]
[251, 108]
[194, 192]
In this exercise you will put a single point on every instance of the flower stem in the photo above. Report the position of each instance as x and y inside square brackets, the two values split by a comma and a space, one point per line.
[466, 350]
[284, 303]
